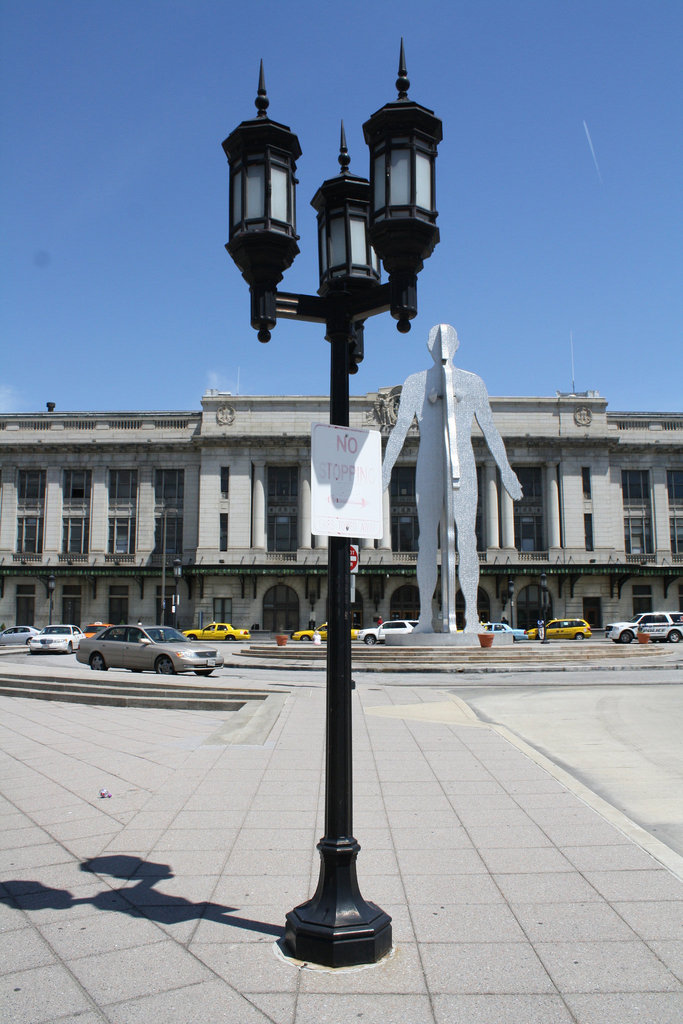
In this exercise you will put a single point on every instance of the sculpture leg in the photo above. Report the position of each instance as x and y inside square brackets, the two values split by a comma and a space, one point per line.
[468, 574]
[427, 568]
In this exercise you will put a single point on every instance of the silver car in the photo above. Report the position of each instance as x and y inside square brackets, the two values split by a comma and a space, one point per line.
[150, 649]
[17, 635]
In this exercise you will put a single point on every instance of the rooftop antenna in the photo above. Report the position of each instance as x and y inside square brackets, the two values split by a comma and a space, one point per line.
[571, 349]
[238, 381]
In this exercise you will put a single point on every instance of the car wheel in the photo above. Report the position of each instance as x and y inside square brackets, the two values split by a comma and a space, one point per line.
[164, 666]
[674, 637]
[370, 640]
[97, 662]
[579, 636]
[191, 636]
[203, 671]
[626, 637]
[231, 639]
[69, 648]
[309, 638]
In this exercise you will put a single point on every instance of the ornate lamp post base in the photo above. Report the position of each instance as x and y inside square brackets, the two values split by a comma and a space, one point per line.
[337, 927]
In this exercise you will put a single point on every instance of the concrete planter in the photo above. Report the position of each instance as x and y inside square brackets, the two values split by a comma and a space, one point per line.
[486, 639]
[281, 639]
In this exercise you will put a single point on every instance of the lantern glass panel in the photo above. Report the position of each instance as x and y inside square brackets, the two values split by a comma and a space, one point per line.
[322, 249]
[255, 192]
[374, 260]
[278, 197]
[423, 181]
[359, 251]
[399, 193]
[237, 197]
[337, 242]
[380, 186]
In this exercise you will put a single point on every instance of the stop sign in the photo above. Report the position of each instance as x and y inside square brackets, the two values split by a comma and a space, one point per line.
[353, 557]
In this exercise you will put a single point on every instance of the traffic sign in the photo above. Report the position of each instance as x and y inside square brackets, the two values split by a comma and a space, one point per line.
[346, 482]
[353, 557]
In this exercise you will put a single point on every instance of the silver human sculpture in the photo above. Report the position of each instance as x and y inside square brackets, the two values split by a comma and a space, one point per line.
[445, 400]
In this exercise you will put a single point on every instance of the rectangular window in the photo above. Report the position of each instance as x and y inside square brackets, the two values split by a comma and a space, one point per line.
[30, 535]
[31, 489]
[26, 603]
[642, 598]
[223, 538]
[168, 534]
[676, 525]
[635, 486]
[403, 482]
[123, 487]
[404, 532]
[118, 604]
[169, 488]
[588, 530]
[531, 479]
[76, 487]
[222, 609]
[75, 535]
[586, 481]
[674, 486]
[283, 481]
[638, 535]
[122, 536]
[225, 481]
[282, 532]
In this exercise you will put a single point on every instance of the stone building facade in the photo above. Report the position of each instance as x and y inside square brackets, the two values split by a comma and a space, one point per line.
[101, 512]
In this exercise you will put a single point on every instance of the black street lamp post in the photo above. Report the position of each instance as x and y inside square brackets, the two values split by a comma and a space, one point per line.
[392, 216]
[544, 604]
[51, 583]
[511, 594]
[177, 576]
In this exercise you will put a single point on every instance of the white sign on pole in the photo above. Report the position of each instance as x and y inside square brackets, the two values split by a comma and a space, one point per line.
[346, 482]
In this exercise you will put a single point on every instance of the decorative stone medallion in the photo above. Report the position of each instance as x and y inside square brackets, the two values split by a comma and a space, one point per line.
[225, 415]
[583, 417]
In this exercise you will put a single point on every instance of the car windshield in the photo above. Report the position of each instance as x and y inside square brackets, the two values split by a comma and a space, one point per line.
[165, 635]
[56, 629]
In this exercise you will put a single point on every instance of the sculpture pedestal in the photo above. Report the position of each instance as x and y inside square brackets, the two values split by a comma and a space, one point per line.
[443, 639]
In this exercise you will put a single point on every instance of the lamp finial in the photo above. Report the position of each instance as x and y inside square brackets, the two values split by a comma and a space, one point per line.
[261, 102]
[344, 158]
[402, 82]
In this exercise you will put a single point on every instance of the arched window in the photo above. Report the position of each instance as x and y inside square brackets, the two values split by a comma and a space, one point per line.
[483, 607]
[529, 606]
[280, 609]
[405, 603]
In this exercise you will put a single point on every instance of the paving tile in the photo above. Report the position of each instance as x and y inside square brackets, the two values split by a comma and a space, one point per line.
[249, 966]
[636, 885]
[550, 922]
[626, 856]
[605, 967]
[453, 837]
[501, 1009]
[546, 887]
[507, 836]
[636, 1008]
[483, 923]
[212, 1000]
[399, 973]
[466, 888]
[493, 968]
[440, 862]
[44, 994]
[119, 975]
[670, 952]
[23, 950]
[332, 1008]
[525, 860]
[653, 919]
[99, 932]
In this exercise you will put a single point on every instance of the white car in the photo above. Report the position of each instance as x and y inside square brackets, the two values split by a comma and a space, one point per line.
[17, 635]
[661, 626]
[377, 634]
[55, 639]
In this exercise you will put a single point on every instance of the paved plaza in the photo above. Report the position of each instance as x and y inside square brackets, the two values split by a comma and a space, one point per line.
[517, 895]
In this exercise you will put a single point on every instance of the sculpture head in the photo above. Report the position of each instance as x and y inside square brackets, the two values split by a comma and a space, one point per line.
[442, 343]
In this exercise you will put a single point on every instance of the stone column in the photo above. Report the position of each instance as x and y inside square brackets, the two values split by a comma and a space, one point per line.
[661, 531]
[553, 529]
[508, 520]
[8, 509]
[258, 511]
[99, 511]
[305, 538]
[52, 532]
[491, 509]
[145, 510]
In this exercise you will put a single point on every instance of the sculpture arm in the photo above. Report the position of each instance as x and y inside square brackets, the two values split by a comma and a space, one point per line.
[495, 443]
[406, 412]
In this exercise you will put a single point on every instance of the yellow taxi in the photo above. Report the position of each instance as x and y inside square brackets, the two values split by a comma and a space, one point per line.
[307, 634]
[217, 631]
[563, 629]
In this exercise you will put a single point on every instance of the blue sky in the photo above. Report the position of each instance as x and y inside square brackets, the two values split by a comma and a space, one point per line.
[558, 189]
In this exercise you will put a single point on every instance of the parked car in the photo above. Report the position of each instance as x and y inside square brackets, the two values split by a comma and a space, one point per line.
[52, 639]
[95, 627]
[563, 629]
[217, 631]
[662, 627]
[150, 648]
[307, 634]
[504, 627]
[17, 635]
[377, 634]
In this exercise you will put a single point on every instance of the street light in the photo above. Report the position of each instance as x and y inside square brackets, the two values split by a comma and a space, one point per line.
[544, 604]
[177, 576]
[51, 584]
[391, 216]
[511, 594]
